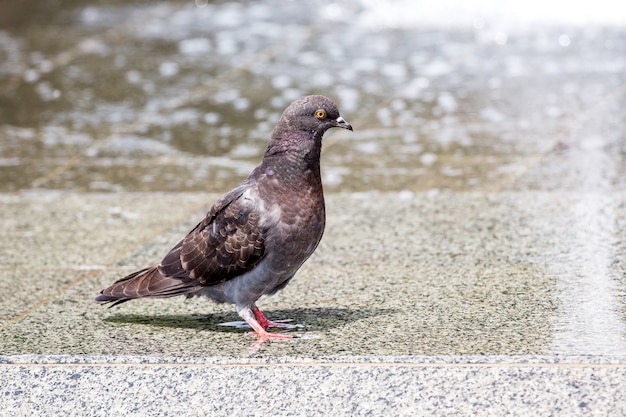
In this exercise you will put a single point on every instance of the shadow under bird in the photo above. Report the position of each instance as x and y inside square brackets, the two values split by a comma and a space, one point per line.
[254, 238]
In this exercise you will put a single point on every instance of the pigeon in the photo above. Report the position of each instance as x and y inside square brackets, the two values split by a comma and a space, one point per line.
[255, 237]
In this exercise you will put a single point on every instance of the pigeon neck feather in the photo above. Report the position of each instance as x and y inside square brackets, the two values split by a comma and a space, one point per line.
[294, 159]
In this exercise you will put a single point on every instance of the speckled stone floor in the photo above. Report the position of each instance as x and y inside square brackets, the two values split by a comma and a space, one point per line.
[395, 275]
[427, 303]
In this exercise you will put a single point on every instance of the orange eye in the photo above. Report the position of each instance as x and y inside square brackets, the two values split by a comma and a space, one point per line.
[320, 114]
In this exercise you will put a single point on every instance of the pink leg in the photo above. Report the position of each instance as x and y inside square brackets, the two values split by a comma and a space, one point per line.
[264, 322]
[260, 317]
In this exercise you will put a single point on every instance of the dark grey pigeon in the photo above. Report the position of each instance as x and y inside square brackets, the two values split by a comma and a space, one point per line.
[254, 239]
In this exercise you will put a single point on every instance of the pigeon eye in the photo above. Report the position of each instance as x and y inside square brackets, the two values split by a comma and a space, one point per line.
[320, 114]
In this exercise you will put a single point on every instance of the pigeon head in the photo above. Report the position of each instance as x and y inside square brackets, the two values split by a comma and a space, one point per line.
[309, 116]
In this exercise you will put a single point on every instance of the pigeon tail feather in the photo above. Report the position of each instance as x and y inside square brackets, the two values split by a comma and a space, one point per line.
[147, 282]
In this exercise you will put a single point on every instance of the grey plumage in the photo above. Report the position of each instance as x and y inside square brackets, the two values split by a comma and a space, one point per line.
[253, 239]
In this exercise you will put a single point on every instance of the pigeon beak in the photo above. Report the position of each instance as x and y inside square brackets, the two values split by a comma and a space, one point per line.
[342, 123]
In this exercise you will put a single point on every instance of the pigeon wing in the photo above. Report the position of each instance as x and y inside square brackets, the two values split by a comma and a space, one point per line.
[226, 243]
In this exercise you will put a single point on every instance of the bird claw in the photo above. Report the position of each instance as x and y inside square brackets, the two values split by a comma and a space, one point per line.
[256, 346]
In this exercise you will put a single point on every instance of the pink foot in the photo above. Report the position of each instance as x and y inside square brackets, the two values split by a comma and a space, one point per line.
[263, 336]
[259, 324]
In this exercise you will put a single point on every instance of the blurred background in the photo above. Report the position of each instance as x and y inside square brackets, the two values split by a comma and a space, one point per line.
[182, 95]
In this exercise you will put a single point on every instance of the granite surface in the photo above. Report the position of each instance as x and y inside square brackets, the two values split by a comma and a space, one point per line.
[396, 274]
[440, 322]
[98, 386]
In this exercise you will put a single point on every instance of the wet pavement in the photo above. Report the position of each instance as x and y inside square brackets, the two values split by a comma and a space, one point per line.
[476, 215]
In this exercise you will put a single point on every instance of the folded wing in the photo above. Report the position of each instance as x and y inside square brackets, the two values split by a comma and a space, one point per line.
[225, 244]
